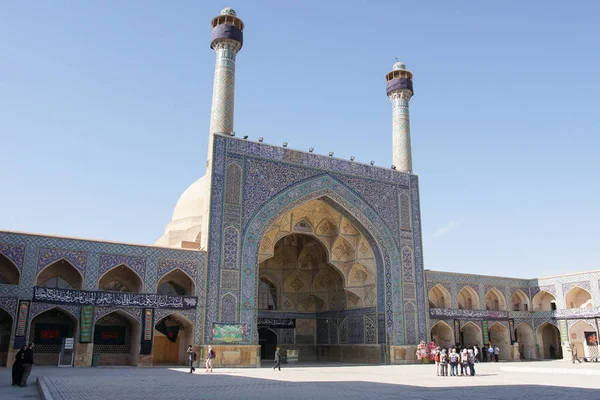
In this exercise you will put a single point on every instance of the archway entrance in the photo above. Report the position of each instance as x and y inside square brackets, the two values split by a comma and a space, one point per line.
[526, 340]
[471, 335]
[267, 339]
[176, 283]
[5, 332]
[121, 279]
[172, 336]
[48, 329]
[548, 337]
[9, 273]
[499, 337]
[442, 334]
[60, 274]
[584, 337]
[317, 269]
[116, 339]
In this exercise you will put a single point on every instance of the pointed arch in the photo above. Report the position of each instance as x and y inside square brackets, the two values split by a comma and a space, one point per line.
[303, 226]
[267, 295]
[70, 277]
[548, 337]
[61, 323]
[9, 272]
[520, 301]
[176, 282]
[173, 332]
[544, 301]
[442, 334]
[405, 219]
[440, 297]
[121, 278]
[525, 336]
[494, 300]
[471, 334]
[233, 184]
[343, 199]
[117, 334]
[468, 299]
[578, 297]
[228, 308]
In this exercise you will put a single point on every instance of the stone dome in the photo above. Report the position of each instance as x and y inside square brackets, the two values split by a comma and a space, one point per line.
[186, 221]
[228, 11]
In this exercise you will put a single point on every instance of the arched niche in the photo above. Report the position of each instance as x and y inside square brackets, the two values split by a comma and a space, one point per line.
[526, 339]
[442, 334]
[267, 295]
[471, 335]
[9, 273]
[577, 338]
[548, 338]
[499, 336]
[6, 325]
[60, 274]
[48, 329]
[520, 301]
[440, 297]
[577, 297]
[494, 300]
[544, 301]
[172, 336]
[117, 339]
[176, 283]
[468, 299]
[121, 279]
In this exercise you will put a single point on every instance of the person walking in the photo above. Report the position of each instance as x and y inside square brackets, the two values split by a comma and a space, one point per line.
[277, 359]
[574, 354]
[209, 359]
[191, 354]
[496, 352]
[27, 364]
[17, 367]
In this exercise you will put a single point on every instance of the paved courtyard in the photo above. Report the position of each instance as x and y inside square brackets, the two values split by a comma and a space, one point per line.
[552, 380]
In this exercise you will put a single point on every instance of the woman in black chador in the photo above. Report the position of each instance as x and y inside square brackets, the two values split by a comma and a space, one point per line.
[17, 368]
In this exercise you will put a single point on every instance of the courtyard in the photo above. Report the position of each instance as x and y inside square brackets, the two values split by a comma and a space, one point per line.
[552, 380]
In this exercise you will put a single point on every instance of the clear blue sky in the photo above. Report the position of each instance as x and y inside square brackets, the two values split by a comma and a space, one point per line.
[104, 115]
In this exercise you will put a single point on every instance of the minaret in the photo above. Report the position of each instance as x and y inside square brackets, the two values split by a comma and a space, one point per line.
[226, 40]
[399, 88]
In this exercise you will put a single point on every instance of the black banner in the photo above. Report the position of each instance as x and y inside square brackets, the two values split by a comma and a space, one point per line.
[170, 331]
[591, 338]
[50, 333]
[276, 323]
[117, 299]
[109, 335]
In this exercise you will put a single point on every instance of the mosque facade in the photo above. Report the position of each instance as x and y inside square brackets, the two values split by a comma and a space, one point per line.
[320, 256]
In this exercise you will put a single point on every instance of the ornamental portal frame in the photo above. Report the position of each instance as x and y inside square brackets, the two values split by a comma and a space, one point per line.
[254, 185]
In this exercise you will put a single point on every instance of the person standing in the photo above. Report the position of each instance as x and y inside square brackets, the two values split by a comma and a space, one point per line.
[444, 363]
[476, 353]
[277, 359]
[496, 352]
[453, 363]
[552, 352]
[471, 359]
[17, 367]
[491, 353]
[191, 358]
[209, 359]
[27, 364]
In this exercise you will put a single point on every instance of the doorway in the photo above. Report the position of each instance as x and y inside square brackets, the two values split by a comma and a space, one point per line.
[267, 339]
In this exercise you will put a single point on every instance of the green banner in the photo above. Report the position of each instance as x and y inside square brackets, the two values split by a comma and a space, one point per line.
[227, 333]
[484, 331]
[87, 321]
[564, 332]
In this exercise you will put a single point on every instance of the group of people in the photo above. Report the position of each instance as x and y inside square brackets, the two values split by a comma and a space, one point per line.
[21, 368]
[463, 358]
[192, 357]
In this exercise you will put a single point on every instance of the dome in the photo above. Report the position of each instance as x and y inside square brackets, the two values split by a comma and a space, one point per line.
[399, 66]
[191, 202]
[228, 11]
[186, 221]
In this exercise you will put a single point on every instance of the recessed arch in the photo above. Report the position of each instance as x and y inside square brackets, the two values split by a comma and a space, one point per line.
[577, 338]
[578, 297]
[176, 282]
[470, 334]
[121, 278]
[9, 272]
[548, 337]
[468, 299]
[173, 334]
[494, 300]
[60, 274]
[442, 334]
[117, 336]
[267, 294]
[6, 327]
[440, 297]
[520, 301]
[48, 329]
[544, 301]
[499, 336]
[526, 339]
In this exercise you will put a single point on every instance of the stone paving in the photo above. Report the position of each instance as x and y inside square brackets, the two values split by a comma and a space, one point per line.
[331, 381]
